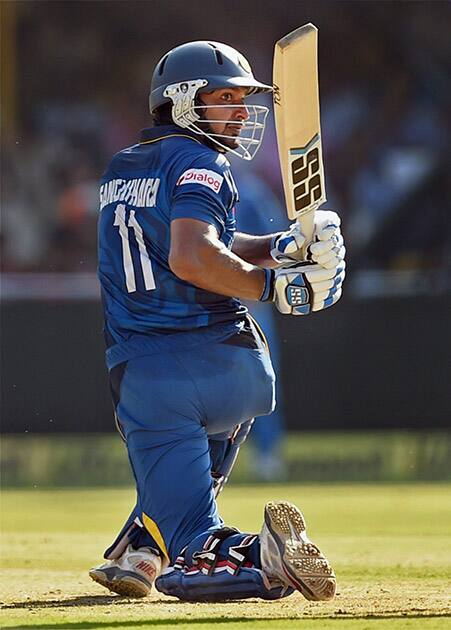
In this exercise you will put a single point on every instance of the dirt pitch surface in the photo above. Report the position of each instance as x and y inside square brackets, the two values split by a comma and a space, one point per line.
[388, 544]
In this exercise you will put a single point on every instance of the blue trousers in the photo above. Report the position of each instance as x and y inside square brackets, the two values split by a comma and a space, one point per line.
[267, 433]
[168, 405]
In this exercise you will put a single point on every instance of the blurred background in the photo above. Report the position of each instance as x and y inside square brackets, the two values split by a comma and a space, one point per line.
[365, 389]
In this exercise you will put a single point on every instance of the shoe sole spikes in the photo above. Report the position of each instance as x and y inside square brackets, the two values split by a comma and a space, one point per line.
[303, 564]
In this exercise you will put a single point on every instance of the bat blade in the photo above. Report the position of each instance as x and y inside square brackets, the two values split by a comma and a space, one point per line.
[297, 118]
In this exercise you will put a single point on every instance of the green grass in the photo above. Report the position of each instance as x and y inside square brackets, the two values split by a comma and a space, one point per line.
[389, 546]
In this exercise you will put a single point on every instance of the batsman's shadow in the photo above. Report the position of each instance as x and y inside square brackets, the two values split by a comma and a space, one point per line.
[70, 602]
[97, 600]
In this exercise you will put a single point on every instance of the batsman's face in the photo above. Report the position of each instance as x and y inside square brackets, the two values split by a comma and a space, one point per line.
[229, 119]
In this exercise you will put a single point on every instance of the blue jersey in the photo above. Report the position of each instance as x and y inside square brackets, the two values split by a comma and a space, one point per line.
[170, 174]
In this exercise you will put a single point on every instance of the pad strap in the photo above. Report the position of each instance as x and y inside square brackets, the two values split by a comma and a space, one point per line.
[206, 560]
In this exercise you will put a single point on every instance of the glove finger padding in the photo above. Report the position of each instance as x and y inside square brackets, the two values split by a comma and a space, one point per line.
[319, 306]
[326, 223]
[327, 232]
[329, 292]
[331, 259]
[317, 273]
[328, 253]
[323, 287]
[320, 248]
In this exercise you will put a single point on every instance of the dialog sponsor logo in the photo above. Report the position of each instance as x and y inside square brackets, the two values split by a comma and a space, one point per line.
[202, 176]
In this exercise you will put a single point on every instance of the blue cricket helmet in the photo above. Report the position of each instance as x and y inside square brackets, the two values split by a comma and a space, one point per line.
[218, 64]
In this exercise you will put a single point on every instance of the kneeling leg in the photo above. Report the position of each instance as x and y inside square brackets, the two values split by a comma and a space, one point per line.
[218, 566]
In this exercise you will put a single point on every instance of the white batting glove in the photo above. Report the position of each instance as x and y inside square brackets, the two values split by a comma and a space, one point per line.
[326, 249]
[302, 289]
[286, 247]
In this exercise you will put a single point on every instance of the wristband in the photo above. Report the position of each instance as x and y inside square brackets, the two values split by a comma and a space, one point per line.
[268, 288]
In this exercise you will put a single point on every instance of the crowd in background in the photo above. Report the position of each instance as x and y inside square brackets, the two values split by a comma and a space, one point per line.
[81, 83]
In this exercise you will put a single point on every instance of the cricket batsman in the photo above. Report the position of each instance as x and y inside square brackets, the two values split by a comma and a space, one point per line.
[188, 368]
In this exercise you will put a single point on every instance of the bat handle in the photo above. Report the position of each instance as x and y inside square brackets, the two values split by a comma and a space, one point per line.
[307, 224]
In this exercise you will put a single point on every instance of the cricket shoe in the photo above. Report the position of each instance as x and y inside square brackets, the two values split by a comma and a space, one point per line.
[288, 555]
[130, 575]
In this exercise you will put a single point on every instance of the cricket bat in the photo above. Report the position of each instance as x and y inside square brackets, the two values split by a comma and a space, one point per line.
[297, 118]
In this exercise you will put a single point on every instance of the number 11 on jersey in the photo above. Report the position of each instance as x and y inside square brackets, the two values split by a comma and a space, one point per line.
[146, 265]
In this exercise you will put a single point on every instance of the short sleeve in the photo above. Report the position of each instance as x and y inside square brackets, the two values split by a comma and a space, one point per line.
[204, 191]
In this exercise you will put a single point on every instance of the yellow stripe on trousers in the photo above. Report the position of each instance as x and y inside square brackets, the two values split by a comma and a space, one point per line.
[153, 530]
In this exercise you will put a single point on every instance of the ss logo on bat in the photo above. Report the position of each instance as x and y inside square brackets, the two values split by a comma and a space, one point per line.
[306, 177]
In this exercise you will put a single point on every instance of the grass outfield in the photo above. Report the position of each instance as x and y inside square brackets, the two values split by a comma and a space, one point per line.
[389, 546]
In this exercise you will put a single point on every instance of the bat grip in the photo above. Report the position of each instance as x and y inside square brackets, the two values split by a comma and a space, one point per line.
[306, 222]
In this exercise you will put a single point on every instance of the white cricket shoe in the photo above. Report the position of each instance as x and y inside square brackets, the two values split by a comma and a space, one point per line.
[288, 555]
[130, 575]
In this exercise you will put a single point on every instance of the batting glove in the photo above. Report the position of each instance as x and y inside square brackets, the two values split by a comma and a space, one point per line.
[287, 245]
[327, 248]
[303, 288]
